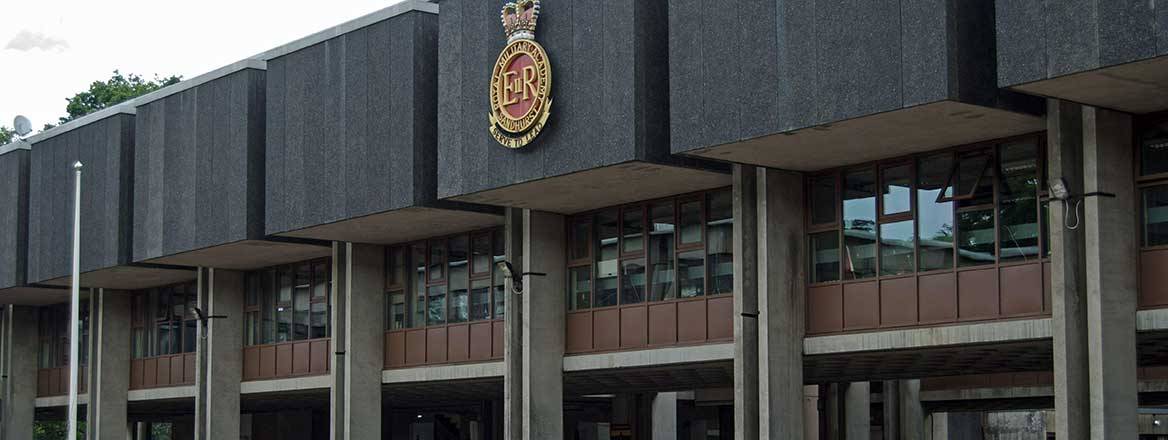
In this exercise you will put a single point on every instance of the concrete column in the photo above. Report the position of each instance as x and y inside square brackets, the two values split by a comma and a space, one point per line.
[937, 426]
[781, 297]
[359, 334]
[833, 408]
[513, 331]
[1068, 278]
[220, 354]
[20, 390]
[746, 305]
[811, 412]
[109, 362]
[543, 325]
[664, 416]
[857, 411]
[1111, 279]
[910, 415]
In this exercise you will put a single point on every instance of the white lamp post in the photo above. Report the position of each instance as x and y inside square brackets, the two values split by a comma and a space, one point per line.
[75, 305]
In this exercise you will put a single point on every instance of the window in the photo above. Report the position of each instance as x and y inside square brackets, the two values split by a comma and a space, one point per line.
[1155, 201]
[662, 250]
[53, 335]
[966, 207]
[288, 303]
[454, 280]
[164, 321]
[1153, 182]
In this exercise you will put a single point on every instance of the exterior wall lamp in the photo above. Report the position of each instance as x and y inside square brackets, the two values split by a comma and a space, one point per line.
[516, 277]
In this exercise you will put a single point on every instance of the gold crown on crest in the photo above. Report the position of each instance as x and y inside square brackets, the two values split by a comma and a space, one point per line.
[520, 18]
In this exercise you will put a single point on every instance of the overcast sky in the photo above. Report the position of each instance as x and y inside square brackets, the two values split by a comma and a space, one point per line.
[52, 49]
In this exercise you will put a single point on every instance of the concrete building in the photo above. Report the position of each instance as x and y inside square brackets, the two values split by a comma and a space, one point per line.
[767, 220]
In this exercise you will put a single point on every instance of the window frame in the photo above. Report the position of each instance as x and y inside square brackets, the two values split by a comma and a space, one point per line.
[1143, 182]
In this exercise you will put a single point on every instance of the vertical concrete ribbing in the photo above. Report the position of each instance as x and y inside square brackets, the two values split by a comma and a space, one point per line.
[1068, 281]
[543, 325]
[746, 278]
[220, 345]
[857, 411]
[364, 282]
[20, 393]
[338, 299]
[911, 416]
[664, 416]
[109, 360]
[781, 298]
[513, 419]
[1111, 280]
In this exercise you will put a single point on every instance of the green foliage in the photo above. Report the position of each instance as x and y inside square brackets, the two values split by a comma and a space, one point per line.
[55, 430]
[6, 135]
[119, 88]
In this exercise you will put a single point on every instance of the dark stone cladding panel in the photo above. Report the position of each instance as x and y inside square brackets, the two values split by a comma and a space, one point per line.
[351, 125]
[609, 89]
[198, 165]
[770, 66]
[1042, 40]
[106, 148]
[13, 218]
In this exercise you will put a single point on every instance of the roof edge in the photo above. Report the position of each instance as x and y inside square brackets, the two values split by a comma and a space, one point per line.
[125, 108]
[18, 144]
[349, 26]
[185, 85]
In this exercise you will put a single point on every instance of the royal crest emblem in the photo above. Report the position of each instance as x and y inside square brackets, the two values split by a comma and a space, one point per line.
[521, 82]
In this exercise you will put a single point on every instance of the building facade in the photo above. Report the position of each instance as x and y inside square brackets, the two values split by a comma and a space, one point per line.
[464, 220]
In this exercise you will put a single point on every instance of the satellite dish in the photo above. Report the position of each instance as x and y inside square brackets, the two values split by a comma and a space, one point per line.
[22, 125]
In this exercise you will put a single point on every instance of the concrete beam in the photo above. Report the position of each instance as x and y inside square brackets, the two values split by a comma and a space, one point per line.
[650, 358]
[109, 360]
[949, 335]
[220, 354]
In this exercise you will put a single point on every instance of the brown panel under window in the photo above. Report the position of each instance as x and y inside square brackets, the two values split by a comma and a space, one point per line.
[861, 306]
[825, 309]
[720, 319]
[135, 374]
[150, 372]
[663, 324]
[938, 298]
[251, 363]
[579, 332]
[898, 302]
[395, 349]
[177, 375]
[1021, 288]
[458, 348]
[300, 355]
[1153, 281]
[318, 361]
[44, 382]
[164, 372]
[284, 361]
[480, 341]
[692, 316]
[268, 360]
[189, 368]
[497, 333]
[606, 329]
[57, 383]
[435, 345]
[634, 327]
[977, 294]
[415, 347]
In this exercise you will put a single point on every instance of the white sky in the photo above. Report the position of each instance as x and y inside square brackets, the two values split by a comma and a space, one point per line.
[52, 49]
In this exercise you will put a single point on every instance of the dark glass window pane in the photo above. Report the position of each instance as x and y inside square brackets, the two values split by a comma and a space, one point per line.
[459, 302]
[606, 283]
[1018, 201]
[896, 248]
[285, 287]
[1156, 216]
[579, 288]
[1154, 149]
[823, 197]
[860, 224]
[395, 268]
[164, 338]
[437, 260]
[320, 281]
[975, 178]
[825, 257]
[661, 252]
[480, 300]
[607, 250]
[1046, 228]
[691, 274]
[284, 307]
[302, 295]
[268, 298]
[253, 287]
[896, 189]
[690, 217]
[190, 336]
[397, 311]
[975, 237]
[500, 255]
[934, 219]
[579, 238]
[436, 305]
[320, 320]
[633, 281]
[720, 242]
[633, 229]
[419, 304]
[481, 253]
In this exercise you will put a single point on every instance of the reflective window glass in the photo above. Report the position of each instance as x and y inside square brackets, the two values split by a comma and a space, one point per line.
[632, 281]
[934, 218]
[633, 229]
[579, 288]
[897, 248]
[1156, 215]
[458, 279]
[607, 250]
[301, 296]
[690, 217]
[896, 189]
[481, 253]
[480, 300]
[437, 270]
[395, 267]
[825, 257]
[579, 238]
[661, 252]
[720, 242]
[500, 251]
[975, 179]
[1154, 149]
[397, 311]
[975, 238]
[1018, 201]
[436, 305]
[860, 224]
[822, 199]
[691, 274]
[418, 252]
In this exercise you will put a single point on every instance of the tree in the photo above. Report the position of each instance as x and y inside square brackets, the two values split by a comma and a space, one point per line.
[119, 88]
[6, 135]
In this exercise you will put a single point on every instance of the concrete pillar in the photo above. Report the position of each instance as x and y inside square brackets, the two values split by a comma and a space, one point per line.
[781, 297]
[1112, 286]
[746, 305]
[109, 360]
[1068, 278]
[358, 338]
[811, 412]
[513, 331]
[664, 416]
[890, 402]
[543, 325]
[910, 418]
[857, 411]
[220, 354]
[20, 390]
[833, 408]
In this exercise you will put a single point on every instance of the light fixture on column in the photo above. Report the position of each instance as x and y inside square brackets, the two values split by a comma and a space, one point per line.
[1060, 192]
[516, 277]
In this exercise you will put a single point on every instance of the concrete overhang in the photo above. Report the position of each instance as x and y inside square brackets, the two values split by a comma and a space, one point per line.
[1138, 87]
[246, 255]
[33, 296]
[660, 369]
[596, 188]
[404, 225]
[128, 277]
[889, 134]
